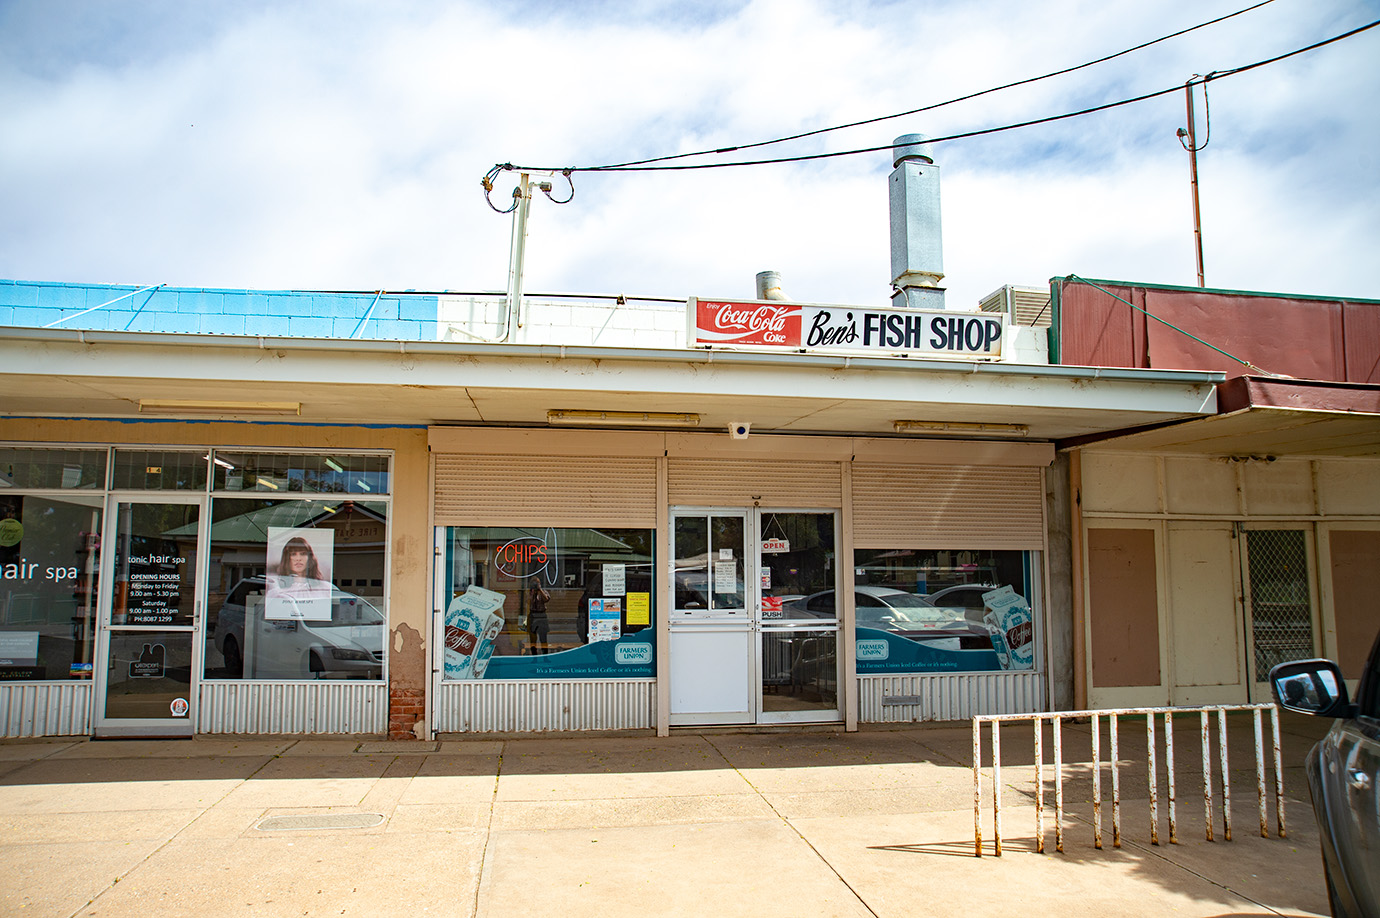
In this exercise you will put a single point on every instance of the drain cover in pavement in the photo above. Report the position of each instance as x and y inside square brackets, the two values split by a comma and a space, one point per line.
[326, 821]
[399, 747]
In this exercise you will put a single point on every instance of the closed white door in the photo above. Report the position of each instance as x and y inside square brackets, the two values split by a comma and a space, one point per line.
[1205, 618]
[713, 671]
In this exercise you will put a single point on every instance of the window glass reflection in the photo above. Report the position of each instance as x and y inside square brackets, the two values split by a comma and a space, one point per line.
[286, 473]
[159, 470]
[799, 670]
[275, 615]
[49, 565]
[66, 469]
[534, 602]
[944, 610]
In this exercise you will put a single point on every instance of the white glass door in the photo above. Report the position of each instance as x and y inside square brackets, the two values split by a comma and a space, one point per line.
[713, 673]
[146, 674]
[754, 624]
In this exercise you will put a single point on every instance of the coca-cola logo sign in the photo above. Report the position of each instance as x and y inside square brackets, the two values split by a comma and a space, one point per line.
[883, 332]
[771, 324]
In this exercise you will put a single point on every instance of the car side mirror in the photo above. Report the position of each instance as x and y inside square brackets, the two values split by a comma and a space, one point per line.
[1310, 687]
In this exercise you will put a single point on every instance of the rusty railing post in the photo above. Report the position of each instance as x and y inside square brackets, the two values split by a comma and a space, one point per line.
[1150, 774]
[1169, 775]
[1116, 789]
[1039, 785]
[1207, 772]
[1097, 780]
[1226, 774]
[1279, 774]
[1260, 774]
[996, 786]
[977, 787]
[1058, 784]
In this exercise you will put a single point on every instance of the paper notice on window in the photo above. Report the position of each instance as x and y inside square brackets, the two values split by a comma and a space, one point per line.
[615, 579]
[726, 577]
[639, 609]
[605, 616]
[18, 648]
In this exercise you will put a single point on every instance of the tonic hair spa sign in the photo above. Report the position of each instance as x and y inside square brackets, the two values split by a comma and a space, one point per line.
[879, 332]
[154, 589]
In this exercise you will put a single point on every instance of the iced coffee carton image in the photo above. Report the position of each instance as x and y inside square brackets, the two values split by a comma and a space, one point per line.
[486, 644]
[472, 623]
[1013, 633]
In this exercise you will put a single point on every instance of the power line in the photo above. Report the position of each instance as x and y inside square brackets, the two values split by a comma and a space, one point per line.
[926, 108]
[1215, 75]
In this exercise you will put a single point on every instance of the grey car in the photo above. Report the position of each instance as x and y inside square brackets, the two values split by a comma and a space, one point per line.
[347, 646]
[1343, 771]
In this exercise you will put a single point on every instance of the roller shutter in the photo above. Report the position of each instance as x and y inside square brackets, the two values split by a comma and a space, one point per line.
[545, 491]
[738, 483]
[933, 506]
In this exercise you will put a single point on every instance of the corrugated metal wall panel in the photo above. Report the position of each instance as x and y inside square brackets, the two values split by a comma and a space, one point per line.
[956, 507]
[46, 709]
[943, 696]
[739, 482]
[1096, 330]
[517, 706]
[1361, 341]
[545, 491]
[293, 707]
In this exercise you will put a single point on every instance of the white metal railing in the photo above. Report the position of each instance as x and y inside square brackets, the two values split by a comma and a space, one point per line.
[1057, 720]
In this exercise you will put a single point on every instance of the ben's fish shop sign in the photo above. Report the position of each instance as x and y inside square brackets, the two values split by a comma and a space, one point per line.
[800, 327]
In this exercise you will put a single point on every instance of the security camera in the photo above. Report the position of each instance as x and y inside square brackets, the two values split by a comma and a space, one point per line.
[738, 430]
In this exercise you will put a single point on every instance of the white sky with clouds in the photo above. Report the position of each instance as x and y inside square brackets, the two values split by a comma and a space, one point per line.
[339, 145]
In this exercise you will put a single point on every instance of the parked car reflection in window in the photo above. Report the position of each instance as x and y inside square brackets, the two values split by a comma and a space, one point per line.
[348, 646]
[904, 614]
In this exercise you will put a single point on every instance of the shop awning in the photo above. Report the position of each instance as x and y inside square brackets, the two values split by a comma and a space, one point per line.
[86, 374]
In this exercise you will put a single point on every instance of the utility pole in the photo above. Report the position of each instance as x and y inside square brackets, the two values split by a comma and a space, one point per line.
[517, 253]
[529, 181]
[1192, 147]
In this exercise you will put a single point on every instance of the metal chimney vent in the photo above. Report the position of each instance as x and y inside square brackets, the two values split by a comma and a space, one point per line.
[769, 286]
[917, 252]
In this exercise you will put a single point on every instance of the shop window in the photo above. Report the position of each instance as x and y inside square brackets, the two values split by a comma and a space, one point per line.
[287, 473]
[275, 611]
[921, 611]
[49, 563]
[534, 603]
[159, 470]
[56, 469]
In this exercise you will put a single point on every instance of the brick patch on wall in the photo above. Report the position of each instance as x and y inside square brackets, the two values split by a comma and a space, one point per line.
[406, 708]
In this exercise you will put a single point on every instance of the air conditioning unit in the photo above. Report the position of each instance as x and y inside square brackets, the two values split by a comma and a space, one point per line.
[1022, 305]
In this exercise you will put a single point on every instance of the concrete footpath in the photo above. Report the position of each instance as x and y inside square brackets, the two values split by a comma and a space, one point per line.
[818, 824]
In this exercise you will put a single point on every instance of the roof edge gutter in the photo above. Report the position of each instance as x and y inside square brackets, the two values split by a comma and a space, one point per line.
[565, 352]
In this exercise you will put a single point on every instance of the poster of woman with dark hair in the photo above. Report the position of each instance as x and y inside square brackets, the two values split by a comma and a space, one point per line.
[299, 574]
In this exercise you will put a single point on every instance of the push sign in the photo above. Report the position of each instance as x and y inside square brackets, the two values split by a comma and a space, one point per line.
[880, 332]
